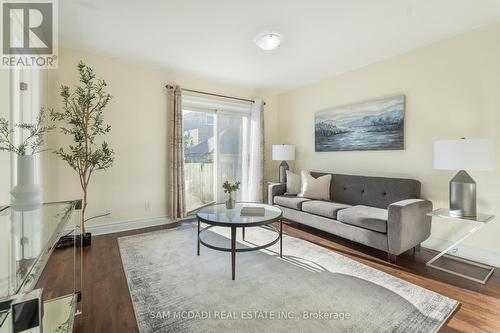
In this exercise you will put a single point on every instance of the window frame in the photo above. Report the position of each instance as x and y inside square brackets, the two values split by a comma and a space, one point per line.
[217, 107]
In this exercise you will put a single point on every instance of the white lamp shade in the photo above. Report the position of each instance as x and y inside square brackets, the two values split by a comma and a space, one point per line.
[283, 152]
[464, 154]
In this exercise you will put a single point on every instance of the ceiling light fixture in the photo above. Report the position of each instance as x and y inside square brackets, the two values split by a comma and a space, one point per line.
[268, 40]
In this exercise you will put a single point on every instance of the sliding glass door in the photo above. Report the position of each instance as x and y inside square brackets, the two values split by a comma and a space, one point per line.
[215, 150]
[231, 151]
[199, 143]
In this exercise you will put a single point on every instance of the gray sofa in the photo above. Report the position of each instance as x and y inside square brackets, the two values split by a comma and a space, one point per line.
[384, 213]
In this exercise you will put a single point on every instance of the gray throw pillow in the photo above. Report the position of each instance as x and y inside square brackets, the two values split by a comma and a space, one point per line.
[293, 184]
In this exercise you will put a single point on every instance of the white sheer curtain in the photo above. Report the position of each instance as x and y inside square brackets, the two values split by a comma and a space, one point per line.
[255, 173]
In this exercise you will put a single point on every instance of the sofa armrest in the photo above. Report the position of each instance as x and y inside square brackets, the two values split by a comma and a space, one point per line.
[273, 190]
[408, 224]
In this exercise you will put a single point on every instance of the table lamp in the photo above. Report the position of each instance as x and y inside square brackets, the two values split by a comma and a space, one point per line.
[283, 153]
[464, 154]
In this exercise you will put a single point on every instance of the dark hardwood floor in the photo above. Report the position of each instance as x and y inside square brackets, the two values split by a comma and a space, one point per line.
[107, 306]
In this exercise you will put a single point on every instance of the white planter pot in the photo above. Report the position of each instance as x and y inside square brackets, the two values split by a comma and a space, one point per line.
[27, 195]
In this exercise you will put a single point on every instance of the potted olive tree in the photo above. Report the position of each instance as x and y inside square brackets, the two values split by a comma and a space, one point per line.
[27, 193]
[82, 119]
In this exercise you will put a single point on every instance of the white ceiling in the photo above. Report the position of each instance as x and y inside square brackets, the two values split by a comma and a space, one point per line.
[213, 39]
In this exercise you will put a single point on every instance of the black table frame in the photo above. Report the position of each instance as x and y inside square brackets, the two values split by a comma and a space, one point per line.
[234, 227]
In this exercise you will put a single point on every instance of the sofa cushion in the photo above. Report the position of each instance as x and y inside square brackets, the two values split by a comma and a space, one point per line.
[323, 208]
[293, 183]
[371, 191]
[315, 188]
[290, 201]
[365, 217]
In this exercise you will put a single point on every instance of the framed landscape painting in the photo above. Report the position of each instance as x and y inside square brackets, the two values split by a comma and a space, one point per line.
[372, 125]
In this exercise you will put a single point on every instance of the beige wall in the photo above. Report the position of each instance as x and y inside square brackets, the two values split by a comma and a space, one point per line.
[452, 89]
[138, 117]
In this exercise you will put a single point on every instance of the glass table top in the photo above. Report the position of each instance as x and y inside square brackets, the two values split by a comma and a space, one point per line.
[445, 213]
[218, 213]
[26, 241]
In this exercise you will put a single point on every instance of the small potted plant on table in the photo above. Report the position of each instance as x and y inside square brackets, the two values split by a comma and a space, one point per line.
[27, 193]
[229, 189]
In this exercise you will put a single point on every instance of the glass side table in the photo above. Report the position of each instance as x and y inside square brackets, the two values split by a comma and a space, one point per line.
[477, 223]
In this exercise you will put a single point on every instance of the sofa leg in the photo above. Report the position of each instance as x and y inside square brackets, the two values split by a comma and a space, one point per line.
[416, 248]
[392, 258]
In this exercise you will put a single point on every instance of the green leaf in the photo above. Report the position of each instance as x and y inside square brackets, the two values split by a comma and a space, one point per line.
[82, 119]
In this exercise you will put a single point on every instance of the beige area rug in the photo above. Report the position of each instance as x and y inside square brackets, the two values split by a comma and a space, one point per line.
[311, 289]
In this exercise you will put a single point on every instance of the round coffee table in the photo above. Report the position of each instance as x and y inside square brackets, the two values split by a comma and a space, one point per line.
[219, 215]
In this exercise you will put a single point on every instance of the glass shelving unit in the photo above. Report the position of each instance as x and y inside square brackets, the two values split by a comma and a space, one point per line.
[28, 238]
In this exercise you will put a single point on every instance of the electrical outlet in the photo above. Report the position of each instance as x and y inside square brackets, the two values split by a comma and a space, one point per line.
[147, 206]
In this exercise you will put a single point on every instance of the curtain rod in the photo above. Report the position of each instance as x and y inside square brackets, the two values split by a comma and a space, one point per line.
[168, 86]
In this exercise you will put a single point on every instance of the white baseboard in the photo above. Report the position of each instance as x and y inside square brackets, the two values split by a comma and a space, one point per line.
[464, 251]
[109, 228]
